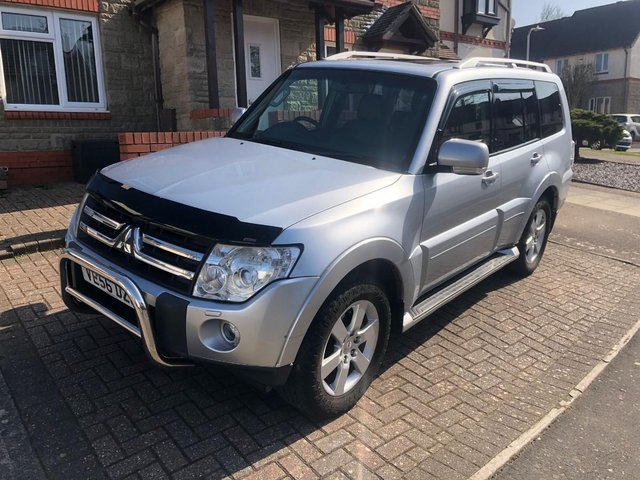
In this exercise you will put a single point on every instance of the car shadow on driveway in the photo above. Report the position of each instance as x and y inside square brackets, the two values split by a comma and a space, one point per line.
[94, 407]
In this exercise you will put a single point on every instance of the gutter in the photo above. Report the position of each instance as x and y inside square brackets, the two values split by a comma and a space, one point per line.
[507, 30]
[626, 83]
[456, 30]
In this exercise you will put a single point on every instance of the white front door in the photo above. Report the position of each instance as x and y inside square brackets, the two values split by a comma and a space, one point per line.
[262, 54]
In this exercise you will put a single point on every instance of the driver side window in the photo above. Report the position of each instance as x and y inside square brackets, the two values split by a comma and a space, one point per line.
[469, 118]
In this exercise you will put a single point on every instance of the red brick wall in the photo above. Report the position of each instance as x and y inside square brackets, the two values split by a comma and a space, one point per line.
[81, 5]
[22, 115]
[36, 167]
[426, 11]
[134, 145]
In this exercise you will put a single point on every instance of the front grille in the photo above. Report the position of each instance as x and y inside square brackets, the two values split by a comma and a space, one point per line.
[158, 253]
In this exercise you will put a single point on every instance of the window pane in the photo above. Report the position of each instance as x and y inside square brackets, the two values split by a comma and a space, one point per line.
[79, 61]
[469, 118]
[255, 64]
[24, 23]
[29, 72]
[509, 121]
[372, 118]
[550, 108]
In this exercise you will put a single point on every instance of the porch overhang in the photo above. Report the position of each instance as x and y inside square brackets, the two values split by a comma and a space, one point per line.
[401, 26]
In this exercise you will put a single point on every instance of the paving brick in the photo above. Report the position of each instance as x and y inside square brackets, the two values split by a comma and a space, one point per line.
[108, 450]
[358, 471]
[131, 464]
[273, 471]
[331, 462]
[334, 440]
[204, 468]
[170, 455]
[296, 467]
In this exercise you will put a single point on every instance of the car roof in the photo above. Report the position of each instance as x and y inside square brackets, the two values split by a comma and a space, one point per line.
[465, 70]
[391, 66]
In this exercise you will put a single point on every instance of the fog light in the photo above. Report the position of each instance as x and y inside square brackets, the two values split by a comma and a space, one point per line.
[230, 333]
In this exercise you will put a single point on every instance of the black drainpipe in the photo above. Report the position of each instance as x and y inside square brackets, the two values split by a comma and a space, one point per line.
[155, 53]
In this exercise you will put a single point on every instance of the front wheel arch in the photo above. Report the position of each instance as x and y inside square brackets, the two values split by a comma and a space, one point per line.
[390, 257]
[310, 387]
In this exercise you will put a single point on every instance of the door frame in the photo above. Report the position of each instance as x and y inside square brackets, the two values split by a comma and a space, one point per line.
[276, 27]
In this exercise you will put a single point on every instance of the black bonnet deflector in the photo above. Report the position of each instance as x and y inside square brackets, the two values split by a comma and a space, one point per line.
[148, 208]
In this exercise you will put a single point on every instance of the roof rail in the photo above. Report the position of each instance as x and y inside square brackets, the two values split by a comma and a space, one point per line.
[359, 55]
[502, 62]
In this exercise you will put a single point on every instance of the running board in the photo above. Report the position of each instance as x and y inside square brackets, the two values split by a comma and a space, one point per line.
[460, 285]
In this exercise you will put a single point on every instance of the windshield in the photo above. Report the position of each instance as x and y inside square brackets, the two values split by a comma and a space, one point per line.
[368, 117]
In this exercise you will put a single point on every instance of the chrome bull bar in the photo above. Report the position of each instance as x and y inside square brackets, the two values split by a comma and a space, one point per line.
[145, 332]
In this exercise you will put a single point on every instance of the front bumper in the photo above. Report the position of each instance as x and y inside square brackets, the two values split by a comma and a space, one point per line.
[176, 329]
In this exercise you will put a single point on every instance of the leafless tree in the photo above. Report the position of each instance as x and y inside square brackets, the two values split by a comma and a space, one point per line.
[551, 11]
[577, 79]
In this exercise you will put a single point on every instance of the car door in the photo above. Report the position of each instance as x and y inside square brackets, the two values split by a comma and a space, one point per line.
[517, 148]
[461, 217]
[635, 123]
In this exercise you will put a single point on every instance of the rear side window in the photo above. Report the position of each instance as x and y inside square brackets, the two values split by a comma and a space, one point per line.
[515, 119]
[551, 120]
[635, 119]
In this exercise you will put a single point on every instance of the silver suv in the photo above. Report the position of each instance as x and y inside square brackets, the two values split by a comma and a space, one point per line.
[355, 196]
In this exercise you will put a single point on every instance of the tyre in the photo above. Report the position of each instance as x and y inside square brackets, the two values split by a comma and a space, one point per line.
[534, 239]
[341, 352]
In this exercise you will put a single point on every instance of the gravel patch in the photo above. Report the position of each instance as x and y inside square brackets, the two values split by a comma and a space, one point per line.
[607, 174]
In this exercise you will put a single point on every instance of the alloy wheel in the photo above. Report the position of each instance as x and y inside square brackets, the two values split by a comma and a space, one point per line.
[350, 347]
[536, 236]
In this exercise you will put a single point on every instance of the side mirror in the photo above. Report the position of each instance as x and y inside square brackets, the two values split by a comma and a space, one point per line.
[467, 157]
[236, 113]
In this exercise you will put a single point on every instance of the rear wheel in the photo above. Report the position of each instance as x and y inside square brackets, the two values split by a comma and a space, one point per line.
[534, 239]
[341, 352]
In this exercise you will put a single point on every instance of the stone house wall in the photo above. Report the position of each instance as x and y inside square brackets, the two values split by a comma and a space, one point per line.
[615, 89]
[183, 53]
[128, 76]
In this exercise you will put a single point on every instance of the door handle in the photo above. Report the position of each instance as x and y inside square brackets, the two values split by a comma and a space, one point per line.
[489, 177]
[535, 158]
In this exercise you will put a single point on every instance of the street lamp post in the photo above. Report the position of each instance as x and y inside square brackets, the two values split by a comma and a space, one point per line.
[537, 28]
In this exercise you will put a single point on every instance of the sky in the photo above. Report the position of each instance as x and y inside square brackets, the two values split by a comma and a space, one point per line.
[527, 12]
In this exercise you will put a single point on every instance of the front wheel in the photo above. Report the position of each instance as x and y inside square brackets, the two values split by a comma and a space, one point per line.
[534, 239]
[341, 352]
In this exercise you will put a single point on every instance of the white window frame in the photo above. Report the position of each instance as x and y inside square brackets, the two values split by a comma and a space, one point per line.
[347, 48]
[55, 37]
[604, 61]
[604, 101]
[561, 64]
[486, 7]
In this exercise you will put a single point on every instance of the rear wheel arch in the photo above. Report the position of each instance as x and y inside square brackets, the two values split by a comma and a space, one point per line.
[552, 196]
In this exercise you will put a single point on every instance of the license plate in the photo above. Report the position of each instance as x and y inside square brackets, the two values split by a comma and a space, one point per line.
[106, 285]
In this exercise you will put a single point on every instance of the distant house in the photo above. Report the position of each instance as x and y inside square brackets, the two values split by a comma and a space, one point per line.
[155, 73]
[476, 28]
[608, 37]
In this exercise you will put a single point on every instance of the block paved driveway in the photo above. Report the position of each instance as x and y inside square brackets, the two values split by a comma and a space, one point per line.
[80, 400]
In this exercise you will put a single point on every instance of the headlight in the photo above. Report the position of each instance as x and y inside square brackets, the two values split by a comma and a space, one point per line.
[235, 273]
